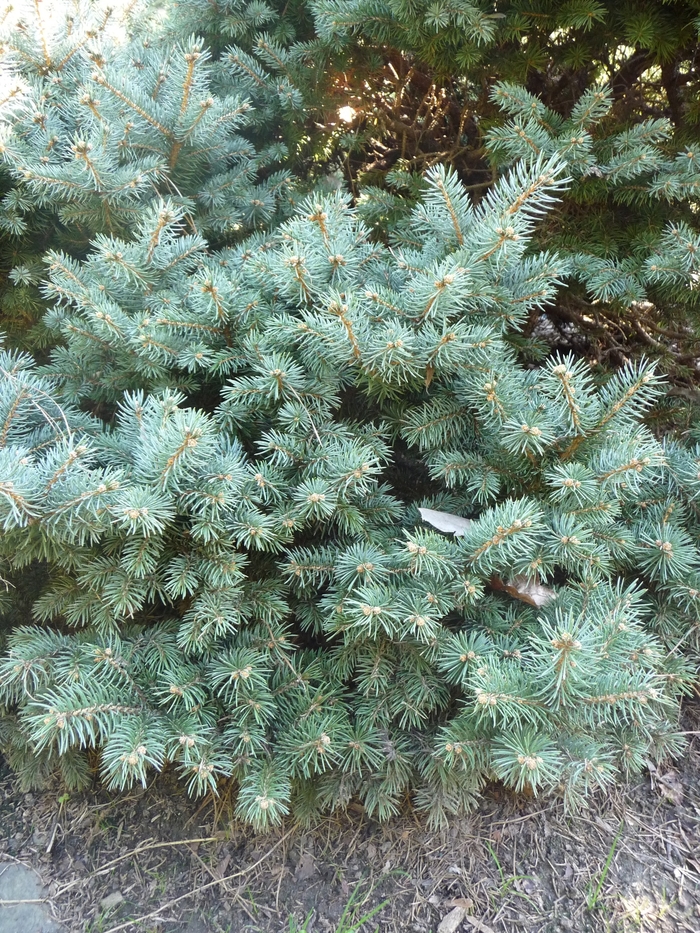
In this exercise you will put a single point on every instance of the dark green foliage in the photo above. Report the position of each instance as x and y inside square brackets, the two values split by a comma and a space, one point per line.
[433, 96]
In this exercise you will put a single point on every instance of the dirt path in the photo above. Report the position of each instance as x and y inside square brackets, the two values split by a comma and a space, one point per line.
[632, 863]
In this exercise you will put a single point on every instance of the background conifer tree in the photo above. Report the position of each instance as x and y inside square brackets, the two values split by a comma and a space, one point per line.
[405, 86]
[424, 78]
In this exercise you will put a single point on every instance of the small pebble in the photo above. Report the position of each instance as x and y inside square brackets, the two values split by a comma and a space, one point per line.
[112, 900]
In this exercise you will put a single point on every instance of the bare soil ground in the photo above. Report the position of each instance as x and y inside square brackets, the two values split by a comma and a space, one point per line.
[155, 860]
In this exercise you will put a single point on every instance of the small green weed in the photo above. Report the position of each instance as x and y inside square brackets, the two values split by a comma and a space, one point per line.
[349, 921]
[295, 928]
[593, 894]
[507, 881]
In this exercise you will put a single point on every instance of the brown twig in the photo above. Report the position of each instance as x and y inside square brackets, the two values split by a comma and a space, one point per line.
[202, 887]
[144, 847]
